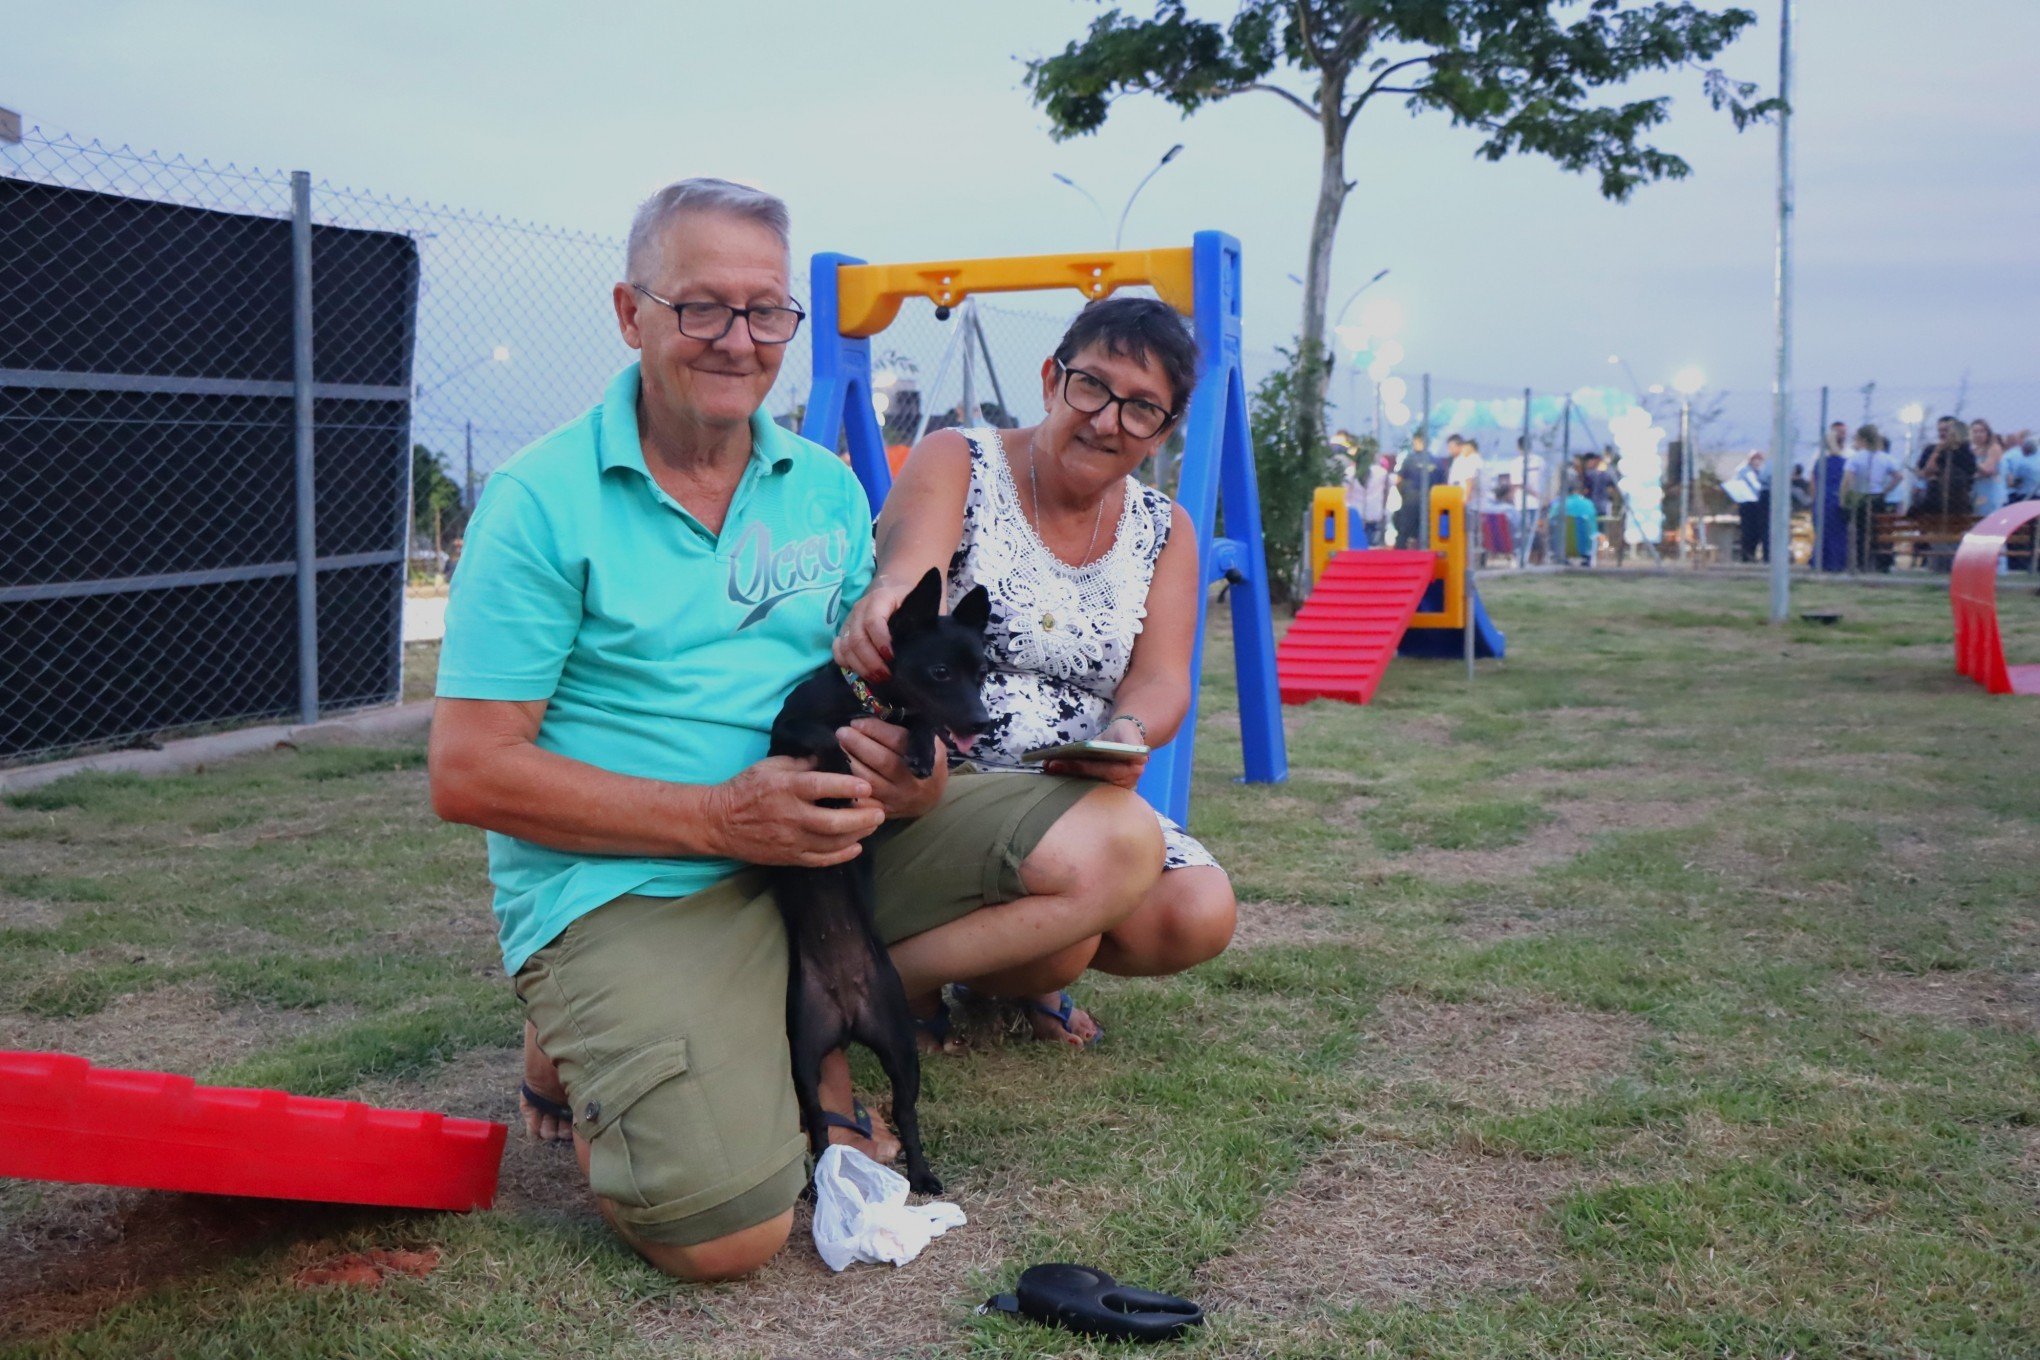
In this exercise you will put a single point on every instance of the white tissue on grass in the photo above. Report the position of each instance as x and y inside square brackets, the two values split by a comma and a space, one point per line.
[862, 1214]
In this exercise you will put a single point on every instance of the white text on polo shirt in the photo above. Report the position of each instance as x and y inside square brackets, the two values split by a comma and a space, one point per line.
[761, 576]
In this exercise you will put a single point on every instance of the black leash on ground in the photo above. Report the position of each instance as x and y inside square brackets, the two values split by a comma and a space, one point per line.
[1092, 1303]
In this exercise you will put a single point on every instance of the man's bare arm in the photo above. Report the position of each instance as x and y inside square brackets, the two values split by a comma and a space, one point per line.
[487, 770]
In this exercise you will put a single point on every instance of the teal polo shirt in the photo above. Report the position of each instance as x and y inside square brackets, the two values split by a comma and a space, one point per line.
[662, 650]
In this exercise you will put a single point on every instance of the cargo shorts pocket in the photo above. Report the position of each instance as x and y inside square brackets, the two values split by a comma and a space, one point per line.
[644, 1124]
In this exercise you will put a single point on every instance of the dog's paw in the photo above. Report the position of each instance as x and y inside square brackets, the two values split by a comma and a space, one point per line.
[923, 1182]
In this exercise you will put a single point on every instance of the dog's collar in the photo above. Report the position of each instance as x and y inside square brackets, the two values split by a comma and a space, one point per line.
[873, 705]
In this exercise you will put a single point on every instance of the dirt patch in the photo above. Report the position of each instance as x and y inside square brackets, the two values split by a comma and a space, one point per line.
[171, 1029]
[1975, 998]
[796, 1306]
[1872, 764]
[536, 1178]
[1381, 1224]
[1351, 813]
[1483, 925]
[1587, 715]
[1264, 925]
[1518, 1053]
[79, 1251]
[1573, 826]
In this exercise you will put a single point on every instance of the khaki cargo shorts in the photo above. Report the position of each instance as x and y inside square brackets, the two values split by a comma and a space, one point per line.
[667, 1015]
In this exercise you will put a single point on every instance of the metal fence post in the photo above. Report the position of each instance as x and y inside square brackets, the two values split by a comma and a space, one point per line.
[301, 383]
[1424, 464]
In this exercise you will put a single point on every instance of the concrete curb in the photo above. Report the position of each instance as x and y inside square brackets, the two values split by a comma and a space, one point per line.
[405, 722]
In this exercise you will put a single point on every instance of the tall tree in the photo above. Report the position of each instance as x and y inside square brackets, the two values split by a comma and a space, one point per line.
[434, 495]
[1525, 73]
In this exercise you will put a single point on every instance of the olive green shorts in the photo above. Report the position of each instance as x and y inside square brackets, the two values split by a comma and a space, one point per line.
[667, 1015]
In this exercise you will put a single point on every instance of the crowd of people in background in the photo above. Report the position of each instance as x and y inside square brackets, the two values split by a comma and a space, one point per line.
[1966, 471]
[1389, 493]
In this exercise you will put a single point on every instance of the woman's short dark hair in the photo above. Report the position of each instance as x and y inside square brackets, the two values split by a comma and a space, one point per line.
[1141, 329]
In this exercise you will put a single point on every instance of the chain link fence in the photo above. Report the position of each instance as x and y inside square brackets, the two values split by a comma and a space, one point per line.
[237, 408]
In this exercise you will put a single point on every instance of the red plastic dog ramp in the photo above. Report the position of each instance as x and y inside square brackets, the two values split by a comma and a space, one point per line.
[65, 1120]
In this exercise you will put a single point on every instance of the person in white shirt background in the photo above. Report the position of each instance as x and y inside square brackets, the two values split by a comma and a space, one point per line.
[1873, 482]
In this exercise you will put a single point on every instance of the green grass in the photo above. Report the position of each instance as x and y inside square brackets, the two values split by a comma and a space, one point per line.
[1780, 887]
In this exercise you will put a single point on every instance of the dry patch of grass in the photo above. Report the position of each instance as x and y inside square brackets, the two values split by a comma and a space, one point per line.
[1960, 999]
[1264, 925]
[1381, 1224]
[1516, 1053]
[1483, 924]
[181, 1028]
[1572, 826]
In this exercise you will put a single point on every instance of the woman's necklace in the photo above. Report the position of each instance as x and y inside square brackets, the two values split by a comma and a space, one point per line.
[1034, 494]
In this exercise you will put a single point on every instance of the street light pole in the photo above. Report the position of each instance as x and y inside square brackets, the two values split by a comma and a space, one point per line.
[1340, 319]
[1686, 480]
[1060, 178]
[1781, 390]
[1167, 156]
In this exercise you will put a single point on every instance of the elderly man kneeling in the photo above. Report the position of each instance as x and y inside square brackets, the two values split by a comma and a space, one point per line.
[638, 592]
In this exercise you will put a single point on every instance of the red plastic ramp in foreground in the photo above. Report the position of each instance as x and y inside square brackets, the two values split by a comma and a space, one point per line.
[62, 1119]
[1972, 591]
[1346, 633]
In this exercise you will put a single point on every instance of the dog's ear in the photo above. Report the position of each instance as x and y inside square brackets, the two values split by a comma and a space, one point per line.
[923, 602]
[974, 610]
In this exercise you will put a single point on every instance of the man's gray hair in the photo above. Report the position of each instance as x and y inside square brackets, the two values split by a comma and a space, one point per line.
[698, 195]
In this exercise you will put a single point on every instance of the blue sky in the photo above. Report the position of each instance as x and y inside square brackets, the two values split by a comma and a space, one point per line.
[902, 131]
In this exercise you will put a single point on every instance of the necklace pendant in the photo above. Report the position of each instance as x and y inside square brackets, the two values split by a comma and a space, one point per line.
[1048, 623]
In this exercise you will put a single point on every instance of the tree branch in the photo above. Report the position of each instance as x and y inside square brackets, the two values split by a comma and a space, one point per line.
[1301, 9]
[1353, 42]
[1378, 88]
[1295, 99]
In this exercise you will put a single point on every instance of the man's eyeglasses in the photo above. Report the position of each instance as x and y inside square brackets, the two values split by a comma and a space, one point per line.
[711, 321]
[1088, 393]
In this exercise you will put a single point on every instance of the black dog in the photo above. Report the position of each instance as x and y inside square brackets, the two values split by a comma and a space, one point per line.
[840, 981]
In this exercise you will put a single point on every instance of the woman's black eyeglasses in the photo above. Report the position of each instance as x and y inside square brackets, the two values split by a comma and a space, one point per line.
[1088, 393]
[712, 320]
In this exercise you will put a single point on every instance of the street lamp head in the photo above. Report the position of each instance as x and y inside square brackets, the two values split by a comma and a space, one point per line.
[1170, 154]
[1061, 178]
[1912, 413]
[1689, 380]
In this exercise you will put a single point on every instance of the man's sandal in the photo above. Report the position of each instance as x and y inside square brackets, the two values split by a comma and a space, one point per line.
[858, 1121]
[546, 1105]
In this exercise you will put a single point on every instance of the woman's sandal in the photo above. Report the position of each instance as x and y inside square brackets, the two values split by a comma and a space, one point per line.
[937, 1026]
[1061, 1013]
